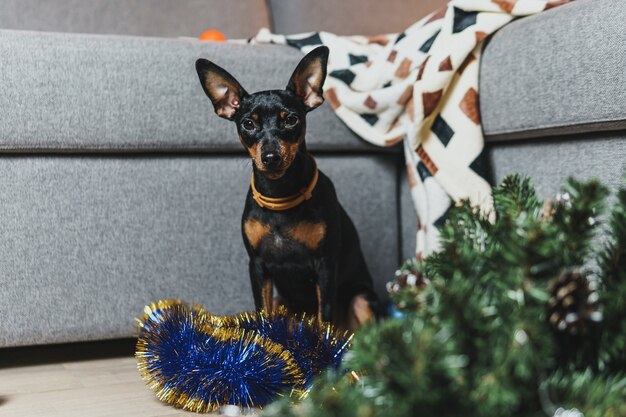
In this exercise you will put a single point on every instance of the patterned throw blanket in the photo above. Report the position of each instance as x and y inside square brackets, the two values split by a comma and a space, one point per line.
[420, 87]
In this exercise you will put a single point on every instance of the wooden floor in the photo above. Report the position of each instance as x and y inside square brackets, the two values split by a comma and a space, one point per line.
[92, 379]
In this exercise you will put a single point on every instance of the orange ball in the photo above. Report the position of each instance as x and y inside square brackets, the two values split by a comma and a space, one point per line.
[212, 35]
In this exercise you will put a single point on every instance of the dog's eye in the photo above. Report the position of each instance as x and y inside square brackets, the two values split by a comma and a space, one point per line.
[291, 120]
[248, 124]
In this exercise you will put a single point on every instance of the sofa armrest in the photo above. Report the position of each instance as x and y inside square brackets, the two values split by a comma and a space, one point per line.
[558, 72]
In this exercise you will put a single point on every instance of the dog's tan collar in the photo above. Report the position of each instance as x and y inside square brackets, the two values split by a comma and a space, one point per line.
[285, 203]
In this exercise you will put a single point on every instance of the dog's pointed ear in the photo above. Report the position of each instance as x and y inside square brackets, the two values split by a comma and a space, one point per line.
[308, 78]
[221, 87]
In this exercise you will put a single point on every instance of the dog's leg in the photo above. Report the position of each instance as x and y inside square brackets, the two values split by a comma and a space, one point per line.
[256, 281]
[268, 295]
[360, 312]
[262, 287]
[318, 294]
[278, 302]
[326, 288]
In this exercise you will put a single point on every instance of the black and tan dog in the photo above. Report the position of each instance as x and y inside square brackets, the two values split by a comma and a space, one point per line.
[299, 238]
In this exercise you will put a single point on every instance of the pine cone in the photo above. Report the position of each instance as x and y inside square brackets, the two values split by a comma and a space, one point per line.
[407, 288]
[548, 209]
[573, 303]
[552, 205]
[406, 277]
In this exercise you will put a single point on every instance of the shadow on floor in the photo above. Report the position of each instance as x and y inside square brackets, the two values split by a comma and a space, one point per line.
[70, 352]
[3, 400]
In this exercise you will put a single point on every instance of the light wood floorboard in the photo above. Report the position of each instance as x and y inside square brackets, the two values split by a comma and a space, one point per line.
[68, 382]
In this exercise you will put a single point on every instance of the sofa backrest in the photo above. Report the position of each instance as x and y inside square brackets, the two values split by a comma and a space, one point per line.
[167, 18]
[236, 18]
[349, 17]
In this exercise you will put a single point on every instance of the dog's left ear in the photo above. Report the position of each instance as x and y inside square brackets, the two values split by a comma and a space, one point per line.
[308, 78]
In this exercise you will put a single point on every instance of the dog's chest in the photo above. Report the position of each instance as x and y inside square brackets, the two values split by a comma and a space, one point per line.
[284, 238]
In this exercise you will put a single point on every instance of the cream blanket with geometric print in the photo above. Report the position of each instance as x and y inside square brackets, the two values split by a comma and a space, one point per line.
[420, 87]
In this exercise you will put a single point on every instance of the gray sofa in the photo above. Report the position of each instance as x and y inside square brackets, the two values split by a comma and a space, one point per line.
[120, 187]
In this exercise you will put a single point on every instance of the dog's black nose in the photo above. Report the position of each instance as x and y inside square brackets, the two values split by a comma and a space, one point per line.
[270, 159]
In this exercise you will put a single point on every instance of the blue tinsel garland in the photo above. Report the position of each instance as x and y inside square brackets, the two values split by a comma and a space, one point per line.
[198, 361]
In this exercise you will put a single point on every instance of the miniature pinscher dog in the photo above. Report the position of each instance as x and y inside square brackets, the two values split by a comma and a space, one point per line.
[297, 235]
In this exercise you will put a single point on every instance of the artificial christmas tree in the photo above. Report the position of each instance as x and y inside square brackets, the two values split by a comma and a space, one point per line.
[503, 321]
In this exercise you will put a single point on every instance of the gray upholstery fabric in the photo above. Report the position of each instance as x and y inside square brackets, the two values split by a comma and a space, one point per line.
[87, 241]
[557, 72]
[349, 17]
[549, 161]
[70, 92]
[237, 19]
[408, 219]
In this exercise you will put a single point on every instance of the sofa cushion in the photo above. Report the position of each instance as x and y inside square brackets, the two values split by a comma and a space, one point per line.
[88, 241]
[558, 72]
[75, 93]
[549, 161]
[237, 19]
[349, 17]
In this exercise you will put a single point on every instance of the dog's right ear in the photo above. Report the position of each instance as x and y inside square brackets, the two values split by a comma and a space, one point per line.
[221, 87]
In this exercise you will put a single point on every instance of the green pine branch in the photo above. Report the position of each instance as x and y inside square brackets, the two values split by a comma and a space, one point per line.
[514, 196]
[577, 218]
[613, 291]
[595, 395]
